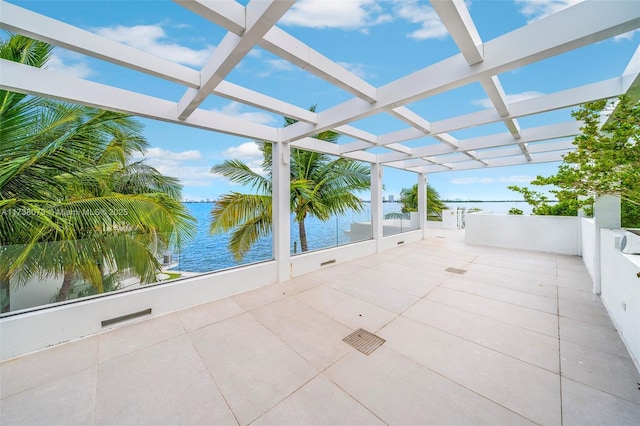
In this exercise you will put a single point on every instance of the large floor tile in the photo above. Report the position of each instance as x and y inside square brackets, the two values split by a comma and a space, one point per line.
[520, 298]
[584, 406]
[66, 401]
[26, 372]
[413, 395]
[132, 337]
[381, 295]
[535, 348]
[208, 313]
[530, 319]
[530, 391]
[607, 372]
[346, 309]
[513, 273]
[259, 297]
[402, 278]
[319, 402]
[582, 306]
[331, 272]
[545, 287]
[313, 335]
[252, 367]
[165, 384]
[605, 339]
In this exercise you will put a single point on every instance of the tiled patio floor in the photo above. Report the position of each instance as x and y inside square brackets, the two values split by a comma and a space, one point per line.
[517, 339]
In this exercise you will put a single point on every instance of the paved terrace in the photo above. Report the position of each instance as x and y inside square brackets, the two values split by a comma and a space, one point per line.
[517, 339]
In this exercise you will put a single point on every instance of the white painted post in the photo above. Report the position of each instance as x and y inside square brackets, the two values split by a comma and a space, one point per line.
[376, 204]
[606, 214]
[422, 203]
[281, 158]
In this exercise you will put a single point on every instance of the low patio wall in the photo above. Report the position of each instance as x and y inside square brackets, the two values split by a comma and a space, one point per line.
[31, 331]
[621, 289]
[552, 234]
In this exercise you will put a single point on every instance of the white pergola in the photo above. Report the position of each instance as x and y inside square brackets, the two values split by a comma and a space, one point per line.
[433, 149]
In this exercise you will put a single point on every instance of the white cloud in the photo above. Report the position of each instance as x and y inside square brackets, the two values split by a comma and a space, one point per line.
[514, 97]
[417, 13]
[163, 154]
[626, 36]
[501, 179]
[537, 9]
[234, 109]
[151, 39]
[249, 153]
[246, 151]
[68, 63]
[348, 15]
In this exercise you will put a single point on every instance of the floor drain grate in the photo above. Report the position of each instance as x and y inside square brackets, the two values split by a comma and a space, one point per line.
[364, 341]
[456, 270]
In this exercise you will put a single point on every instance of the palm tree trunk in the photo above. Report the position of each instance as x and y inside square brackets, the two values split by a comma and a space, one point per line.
[63, 294]
[303, 236]
[5, 294]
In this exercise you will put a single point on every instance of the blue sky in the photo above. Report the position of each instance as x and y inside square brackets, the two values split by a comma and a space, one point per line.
[378, 40]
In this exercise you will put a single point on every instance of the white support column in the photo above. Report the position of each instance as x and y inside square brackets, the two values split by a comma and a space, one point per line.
[422, 203]
[281, 209]
[606, 214]
[376, 204]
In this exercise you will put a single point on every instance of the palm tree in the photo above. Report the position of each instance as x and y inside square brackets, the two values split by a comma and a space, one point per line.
[321, 186]
[409, 200]
[72, 201]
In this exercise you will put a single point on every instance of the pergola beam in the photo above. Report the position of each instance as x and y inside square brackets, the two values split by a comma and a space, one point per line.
[260, 17]
[21, 78]
[541, 39]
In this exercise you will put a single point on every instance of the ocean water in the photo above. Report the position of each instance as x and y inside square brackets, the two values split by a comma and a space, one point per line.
[207, 252]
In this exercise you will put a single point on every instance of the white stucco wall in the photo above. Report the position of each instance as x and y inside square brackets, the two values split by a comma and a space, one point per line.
[31, 331]
[588, 243]
[553, 234]
[621, 290]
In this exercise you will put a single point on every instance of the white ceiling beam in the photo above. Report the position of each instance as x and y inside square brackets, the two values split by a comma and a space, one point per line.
[357, 133]
[355, 146]
[293, 50]
[543, 103]
[317, 145]
[21, 78]
[260, 17]
[550, 157]
[399, 148]
[286, 46]
[22, 21]
[455, 17]
[539, 40]
[249, 97]
[411, 118]
[534, 134]
[403, 135]
[533, 149]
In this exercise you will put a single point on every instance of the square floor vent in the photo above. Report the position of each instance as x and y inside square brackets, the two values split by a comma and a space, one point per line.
[364, 341]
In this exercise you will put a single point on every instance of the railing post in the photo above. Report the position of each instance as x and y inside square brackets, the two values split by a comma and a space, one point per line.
[376, 205]
[422, 203]
[281, 187]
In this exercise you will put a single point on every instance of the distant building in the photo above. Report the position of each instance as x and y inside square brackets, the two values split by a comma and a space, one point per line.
[392, 199]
